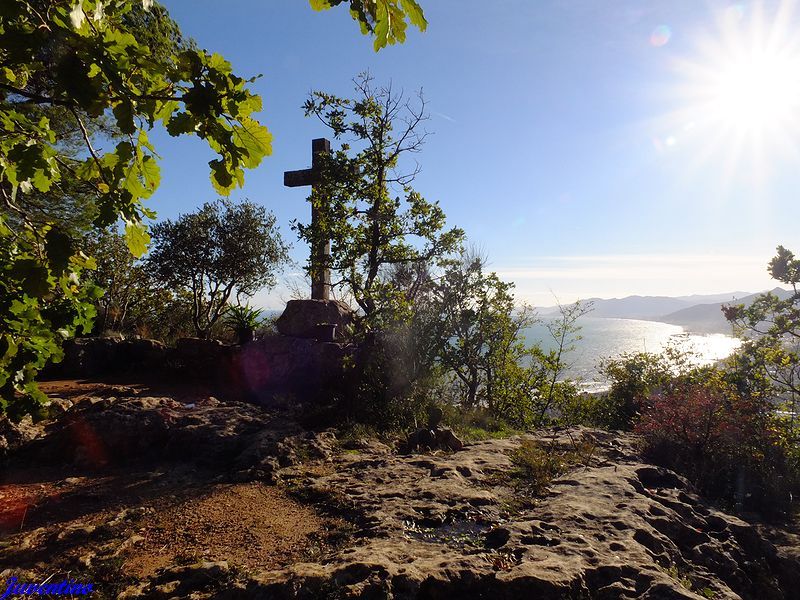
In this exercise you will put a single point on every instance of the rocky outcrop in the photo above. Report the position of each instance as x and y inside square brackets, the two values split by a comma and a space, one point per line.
[432, 436]
[101, 433]
[446, 526]
[255, 371]
[279, 363]
[14, 435]
[432, 525]
[324, 320]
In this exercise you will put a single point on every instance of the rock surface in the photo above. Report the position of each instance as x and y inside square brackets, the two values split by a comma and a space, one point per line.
[14, 435]
[101, 433]
[303, 318]
[442, 527]
[227, 500]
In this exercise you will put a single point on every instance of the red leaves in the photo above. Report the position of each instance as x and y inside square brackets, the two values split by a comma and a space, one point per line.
[704, 419]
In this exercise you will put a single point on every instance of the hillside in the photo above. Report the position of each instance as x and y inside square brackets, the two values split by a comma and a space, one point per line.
[648, 308]
[696, 314]
[708, 318]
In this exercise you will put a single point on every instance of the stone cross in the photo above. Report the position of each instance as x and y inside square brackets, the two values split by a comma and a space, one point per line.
[321, 250]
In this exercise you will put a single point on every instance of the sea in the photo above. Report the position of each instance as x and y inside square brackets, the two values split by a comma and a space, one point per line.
[604, 338]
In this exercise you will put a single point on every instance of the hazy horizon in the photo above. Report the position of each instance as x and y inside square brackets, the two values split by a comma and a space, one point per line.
[277, 298]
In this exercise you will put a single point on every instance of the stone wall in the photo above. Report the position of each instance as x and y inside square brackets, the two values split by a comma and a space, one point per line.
[267, 366]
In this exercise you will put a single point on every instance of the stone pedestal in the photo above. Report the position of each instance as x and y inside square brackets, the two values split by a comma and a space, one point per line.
[323, 320]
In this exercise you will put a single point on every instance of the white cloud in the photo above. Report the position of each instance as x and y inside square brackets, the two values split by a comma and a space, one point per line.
[610, 276]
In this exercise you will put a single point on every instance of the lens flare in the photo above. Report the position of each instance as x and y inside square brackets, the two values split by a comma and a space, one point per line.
[660, 36]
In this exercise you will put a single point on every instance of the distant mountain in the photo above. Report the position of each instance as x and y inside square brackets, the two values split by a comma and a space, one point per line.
[708, 318]
[711, 298]
[648, 308]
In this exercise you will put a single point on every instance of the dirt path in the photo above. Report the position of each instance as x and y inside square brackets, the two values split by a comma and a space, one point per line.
[184, 503]
[251, 525]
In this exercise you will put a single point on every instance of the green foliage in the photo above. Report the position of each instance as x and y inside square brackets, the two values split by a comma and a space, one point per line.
[768, 363]
[134, 303]
[98, 65]
[469, 325]
[557, 397]
[243, 316]
[384, 19]
[243, 320]
[222, 250]
[368, 210]
[475, 329]
[44, 299]
[633, 378]
[68, 70]
[382, 388]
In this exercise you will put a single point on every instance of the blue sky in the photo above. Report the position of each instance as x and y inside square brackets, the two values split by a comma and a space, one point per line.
[573, 140]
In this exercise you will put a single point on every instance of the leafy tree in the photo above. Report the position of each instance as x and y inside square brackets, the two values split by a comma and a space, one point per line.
[222, 251]
[134, 302]
[125, 282]
[564, 331]
[770, 355]
[70, 201]
[66, 68]
[476, 328]
[478, 331]
[369, 211]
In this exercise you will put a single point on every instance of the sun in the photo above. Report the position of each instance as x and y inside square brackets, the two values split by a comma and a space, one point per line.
[736, 95]
[756, 90]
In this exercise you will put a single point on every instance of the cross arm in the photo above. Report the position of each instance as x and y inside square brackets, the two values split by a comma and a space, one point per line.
[300, 178]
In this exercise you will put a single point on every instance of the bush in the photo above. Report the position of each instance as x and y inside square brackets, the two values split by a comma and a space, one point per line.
[536, 465]
[382, 388]
[635, 377]
[726, 444]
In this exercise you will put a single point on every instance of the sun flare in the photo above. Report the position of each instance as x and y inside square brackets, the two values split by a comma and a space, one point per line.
[757, 91]
[739, 93]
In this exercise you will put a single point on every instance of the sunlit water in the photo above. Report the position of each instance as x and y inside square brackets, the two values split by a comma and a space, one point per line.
[608, 338]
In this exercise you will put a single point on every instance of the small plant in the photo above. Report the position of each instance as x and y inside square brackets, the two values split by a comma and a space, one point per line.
[679, 576]
[351, 436]
[243, 320]
[477, 424]
[536, 465]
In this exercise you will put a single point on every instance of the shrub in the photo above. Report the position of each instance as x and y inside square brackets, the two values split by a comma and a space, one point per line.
[726, 444]
[635, 377]
[536, 465]
[381, 386]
